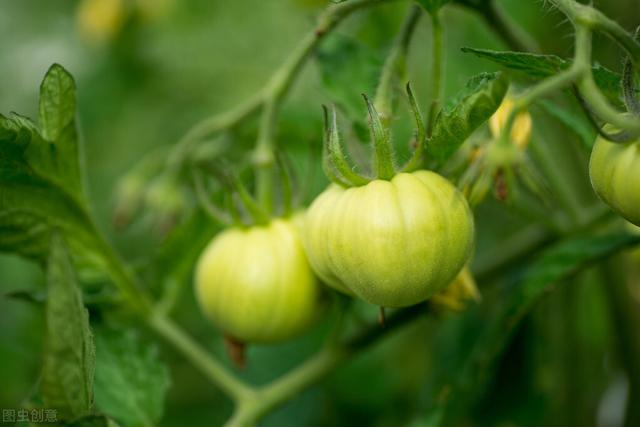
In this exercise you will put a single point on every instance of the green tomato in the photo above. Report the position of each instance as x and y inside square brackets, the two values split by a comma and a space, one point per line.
[615, 175]
[392, 243]
[256, 284]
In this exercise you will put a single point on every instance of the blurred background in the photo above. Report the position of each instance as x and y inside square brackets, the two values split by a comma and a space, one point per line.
[147, 70]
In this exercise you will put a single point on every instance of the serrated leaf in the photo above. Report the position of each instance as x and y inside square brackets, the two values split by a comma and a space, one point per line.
[68, 365]
[542, 66]
[40, 186]
[57, 112]
[347, 70]
[131, 381]
[470, 108]
[557, 263]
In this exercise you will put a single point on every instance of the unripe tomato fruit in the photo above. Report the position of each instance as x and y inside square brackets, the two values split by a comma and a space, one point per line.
[615, 175]
[256, 284]
[392, 243]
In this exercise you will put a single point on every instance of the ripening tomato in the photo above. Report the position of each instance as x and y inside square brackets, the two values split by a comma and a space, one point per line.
[392, 243]
[256, 285]
[615, 175]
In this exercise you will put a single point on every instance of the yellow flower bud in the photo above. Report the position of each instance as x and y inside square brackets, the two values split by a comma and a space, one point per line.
[521, 131]
[459, 292]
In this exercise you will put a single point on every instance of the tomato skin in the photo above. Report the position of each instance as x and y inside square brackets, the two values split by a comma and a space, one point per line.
[392, 243]
[615, 175]
[256, 284]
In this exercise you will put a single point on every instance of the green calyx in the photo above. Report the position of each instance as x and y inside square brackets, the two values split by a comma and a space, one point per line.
[240, 207]
[341, 171]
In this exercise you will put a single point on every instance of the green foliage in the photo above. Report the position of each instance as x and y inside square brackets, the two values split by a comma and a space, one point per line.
[452, 362]
[131, 382]
[471, 107]
[541, 66]
[40, 183]
[69, 358]
[556, 263]
[57, 114]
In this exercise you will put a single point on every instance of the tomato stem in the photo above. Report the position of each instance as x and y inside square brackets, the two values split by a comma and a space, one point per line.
[395, 66]
[236, 350]
[437, 59]
[381, 317]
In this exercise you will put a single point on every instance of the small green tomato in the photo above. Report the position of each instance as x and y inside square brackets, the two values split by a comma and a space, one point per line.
[256, 285]
[615, 175]
[392, 243]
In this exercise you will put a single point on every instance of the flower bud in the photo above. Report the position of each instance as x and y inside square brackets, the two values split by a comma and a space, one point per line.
[521, 130]
[462, 290]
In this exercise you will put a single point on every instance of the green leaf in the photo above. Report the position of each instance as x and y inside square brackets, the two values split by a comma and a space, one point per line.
[432, 6]
[68, 366]
[131, 382]
[57, 114]
[40, 186]
[470, 108]
[555, 264]
[347, 70]
[542, 66]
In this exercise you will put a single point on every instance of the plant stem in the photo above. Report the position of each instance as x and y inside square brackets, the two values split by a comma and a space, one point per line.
[591, 18]
[515, 37]
[217, 123]
[395, 65]
[586, 18]
[437, 65]
[590, 92]
[278, 86]
[212, 368]
[317, 367]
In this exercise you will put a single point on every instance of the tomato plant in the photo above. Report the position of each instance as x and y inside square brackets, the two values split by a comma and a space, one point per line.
[486, 194]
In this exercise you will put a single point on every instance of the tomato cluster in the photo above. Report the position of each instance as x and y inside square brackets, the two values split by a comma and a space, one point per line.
[394, 240]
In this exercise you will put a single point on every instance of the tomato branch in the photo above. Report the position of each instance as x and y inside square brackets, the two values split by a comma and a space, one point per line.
[437, 65]
[317, 367]
[279, 85]
[498, 21]
[396, 63]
